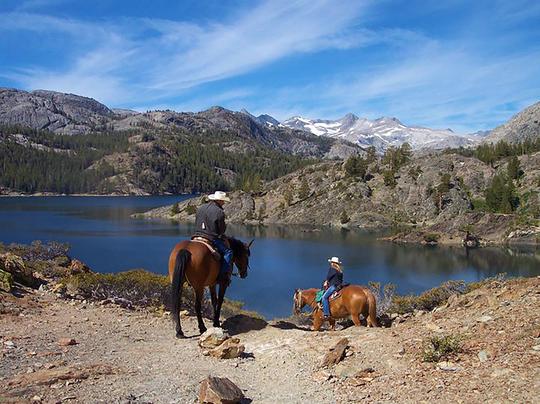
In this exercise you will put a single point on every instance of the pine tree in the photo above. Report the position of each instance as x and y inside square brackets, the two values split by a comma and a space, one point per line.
[513, 168]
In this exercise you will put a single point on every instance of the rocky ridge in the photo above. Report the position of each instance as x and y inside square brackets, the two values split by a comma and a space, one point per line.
[421, 200]
[522, 126]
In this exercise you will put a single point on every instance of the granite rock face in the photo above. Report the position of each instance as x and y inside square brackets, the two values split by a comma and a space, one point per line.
[522, 126]
[57, 112]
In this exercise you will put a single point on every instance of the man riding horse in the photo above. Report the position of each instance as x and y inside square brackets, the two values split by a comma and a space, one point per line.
[210, 224]
[194, 261]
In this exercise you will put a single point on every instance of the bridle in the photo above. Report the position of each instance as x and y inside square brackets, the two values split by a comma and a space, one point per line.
[297, 301]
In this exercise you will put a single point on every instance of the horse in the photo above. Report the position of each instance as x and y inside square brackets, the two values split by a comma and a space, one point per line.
[192, 261]
[354, 300]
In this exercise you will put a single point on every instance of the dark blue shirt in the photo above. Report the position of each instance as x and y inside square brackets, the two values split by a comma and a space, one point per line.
[334, 277]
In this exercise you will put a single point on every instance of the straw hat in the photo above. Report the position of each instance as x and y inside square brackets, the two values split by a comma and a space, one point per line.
[219, 196]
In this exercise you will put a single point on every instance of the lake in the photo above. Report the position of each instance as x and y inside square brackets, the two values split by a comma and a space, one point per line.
[102, 234]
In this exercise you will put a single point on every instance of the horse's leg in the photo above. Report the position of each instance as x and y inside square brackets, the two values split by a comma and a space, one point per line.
[355, 315]
[221, 297]
[332, 322]
[213, 297]
[317, 320]
[199, 293]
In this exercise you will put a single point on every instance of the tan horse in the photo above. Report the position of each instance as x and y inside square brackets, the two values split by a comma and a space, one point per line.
[193, 262]
[354, 300]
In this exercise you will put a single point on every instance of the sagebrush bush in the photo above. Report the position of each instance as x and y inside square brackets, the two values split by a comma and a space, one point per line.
[429, 299]
[437, 348]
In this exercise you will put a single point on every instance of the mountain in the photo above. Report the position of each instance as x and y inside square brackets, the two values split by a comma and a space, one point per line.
[56, 112]
[380, 133]
[70, 114]
[522, 126]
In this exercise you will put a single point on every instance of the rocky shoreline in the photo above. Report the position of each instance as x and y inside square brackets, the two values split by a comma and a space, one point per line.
[418, 209]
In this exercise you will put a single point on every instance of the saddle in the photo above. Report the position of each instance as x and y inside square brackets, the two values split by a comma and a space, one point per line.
[215, 253]
[333, 296]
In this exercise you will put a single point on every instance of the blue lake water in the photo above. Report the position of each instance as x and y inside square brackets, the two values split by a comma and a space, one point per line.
[102, 234]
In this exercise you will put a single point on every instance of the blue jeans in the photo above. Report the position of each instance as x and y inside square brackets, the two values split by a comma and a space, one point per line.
[325, 303]
[227, 254]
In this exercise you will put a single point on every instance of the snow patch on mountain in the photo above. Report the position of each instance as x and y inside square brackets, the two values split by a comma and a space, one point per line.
[380, 133]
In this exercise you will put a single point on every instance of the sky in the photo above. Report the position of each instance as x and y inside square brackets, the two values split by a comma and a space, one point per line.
[465, 65]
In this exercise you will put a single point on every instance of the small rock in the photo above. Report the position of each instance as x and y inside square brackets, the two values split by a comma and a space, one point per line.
[67, 341]
[9, 344]
[418, 313]
[36, 399]
[433, 327]
[448, 366]
[213, 337]
[501, 372]
[393, 316]
[230, 349]
[483, 356]
[401, 351]
[484, 319]
[219, 390]
[536, 348]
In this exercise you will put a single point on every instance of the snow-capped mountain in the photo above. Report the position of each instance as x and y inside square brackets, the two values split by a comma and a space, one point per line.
[381, 133]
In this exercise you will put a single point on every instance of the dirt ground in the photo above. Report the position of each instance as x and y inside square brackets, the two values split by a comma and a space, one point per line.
[132, 356]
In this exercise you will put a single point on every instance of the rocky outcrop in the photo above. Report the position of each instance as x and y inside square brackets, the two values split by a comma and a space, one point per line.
[522, 126]
[56, 112]
[432, 194]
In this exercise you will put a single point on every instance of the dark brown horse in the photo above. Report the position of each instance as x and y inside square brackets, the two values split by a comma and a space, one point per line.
[354, 300]
[192, 262]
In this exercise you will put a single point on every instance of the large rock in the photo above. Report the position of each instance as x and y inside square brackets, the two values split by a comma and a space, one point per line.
[213, 337]
[78, 267]
[219, 390]
[336, 353]
[14, 264]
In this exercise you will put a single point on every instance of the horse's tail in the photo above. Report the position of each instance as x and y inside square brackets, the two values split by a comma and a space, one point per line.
[182, 259]
[372, 313]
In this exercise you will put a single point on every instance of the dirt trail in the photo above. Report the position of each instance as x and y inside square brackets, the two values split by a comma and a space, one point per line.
[123, 356]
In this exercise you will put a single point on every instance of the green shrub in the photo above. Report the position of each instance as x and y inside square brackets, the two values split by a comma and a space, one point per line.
[190, 209]
[138, 286]
[432, 237]
[437, 348]
[175, 209]
[344, 217]
[389, 178]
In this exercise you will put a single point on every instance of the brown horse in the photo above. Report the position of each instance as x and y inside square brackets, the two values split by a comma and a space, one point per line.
[354, 300]
[193, 262]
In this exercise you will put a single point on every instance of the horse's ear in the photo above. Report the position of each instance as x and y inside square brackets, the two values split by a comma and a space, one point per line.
[250, 243]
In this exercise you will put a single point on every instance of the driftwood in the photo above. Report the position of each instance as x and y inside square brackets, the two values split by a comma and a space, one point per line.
[336, 353]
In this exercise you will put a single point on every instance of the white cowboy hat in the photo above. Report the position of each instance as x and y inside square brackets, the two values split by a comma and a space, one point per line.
[219, 196]
[335, 260]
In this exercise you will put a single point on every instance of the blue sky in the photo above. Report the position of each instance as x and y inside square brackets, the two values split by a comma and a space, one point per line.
[467, 65]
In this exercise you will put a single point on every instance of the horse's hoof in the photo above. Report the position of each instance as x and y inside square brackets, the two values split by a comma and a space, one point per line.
[202, 330]
[217, 324]
[180, 335]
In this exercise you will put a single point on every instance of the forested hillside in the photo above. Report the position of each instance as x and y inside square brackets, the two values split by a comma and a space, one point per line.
[136, 161]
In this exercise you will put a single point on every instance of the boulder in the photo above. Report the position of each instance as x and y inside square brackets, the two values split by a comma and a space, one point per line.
[212, 338]
[219, 390]
[66, 341]
[336, 353]
[6, 281]
[14, 264]
[229, 349]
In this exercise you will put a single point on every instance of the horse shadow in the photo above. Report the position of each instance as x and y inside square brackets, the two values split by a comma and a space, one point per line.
[292, 324]
[242, 323]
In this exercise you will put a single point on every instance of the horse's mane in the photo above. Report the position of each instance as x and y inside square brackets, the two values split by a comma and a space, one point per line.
[237, 246]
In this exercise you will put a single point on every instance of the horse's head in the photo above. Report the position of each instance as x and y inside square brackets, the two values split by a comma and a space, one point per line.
[241, 255]
[298, 301]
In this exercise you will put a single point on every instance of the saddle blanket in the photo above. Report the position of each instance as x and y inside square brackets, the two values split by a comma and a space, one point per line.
[215, 253]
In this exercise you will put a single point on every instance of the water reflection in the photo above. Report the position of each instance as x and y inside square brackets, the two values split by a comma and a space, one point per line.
[102, 233]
